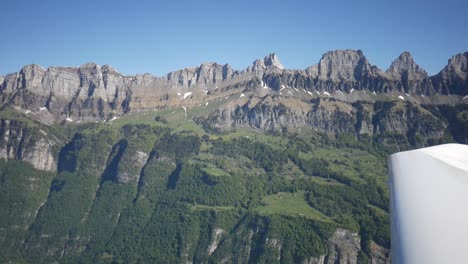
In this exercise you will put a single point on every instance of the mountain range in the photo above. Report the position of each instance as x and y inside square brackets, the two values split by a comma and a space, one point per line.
[91, 92]
[214, 165]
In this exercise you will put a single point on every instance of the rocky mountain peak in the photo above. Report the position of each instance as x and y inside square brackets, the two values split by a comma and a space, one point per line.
[90, 68]
[343, 65]
[32, 67]
[405, 66]
[31, 75]
[459, 63]
[209, 64]
[89, 65]
[342, 55]
[270, 61]
[109, 69]
[211, 72]
[453, 78]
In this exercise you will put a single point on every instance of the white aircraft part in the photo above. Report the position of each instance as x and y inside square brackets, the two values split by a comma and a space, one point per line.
[429, 199]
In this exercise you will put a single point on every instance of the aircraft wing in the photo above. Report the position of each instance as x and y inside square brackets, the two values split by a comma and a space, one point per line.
[429, 205]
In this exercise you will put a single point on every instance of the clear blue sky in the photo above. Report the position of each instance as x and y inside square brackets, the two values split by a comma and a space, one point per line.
[162, 36]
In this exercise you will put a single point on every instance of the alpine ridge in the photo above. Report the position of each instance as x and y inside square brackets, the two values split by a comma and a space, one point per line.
[91, 92]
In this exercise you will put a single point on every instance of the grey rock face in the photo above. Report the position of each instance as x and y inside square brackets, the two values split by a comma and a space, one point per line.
[380, 255]
[267, 115]
[330, 120]
[404, 67]
[216, 236]
[130, 165]
[343, 247]
[386, 121]
[340, 69]
[31, 76]
[408, 76]
[349, 69]
[20, 143]
[270, 61]
[407, 120]
[205, 75]
[312, 71]
[10, 83]
[343, 65]
[91, 92]
[453, 79]
[39, 154]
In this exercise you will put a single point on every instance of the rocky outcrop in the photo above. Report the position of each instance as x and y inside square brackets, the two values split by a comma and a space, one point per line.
[130, 165]
[394, 120]
[85, 92]
[124, 163]
[379, 254]
[273, 113]
[405, 68]
[205, 75]
[408, 76]
[215, 239]
[19, 142]
[270, 62]
[343, 247]
[39, 154]
[453, 79]
[344, 66]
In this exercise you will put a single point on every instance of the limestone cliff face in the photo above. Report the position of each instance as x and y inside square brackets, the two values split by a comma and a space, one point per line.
[345, 70]
[86, 92]
[344, 65]
[273, 113]
[19, 142]
[270, 62]
[404, 67]
[91, 92]
[205, 75]
[382, 120]
[130, 165]
[344, 247]
[416, 123]
[453, 78]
